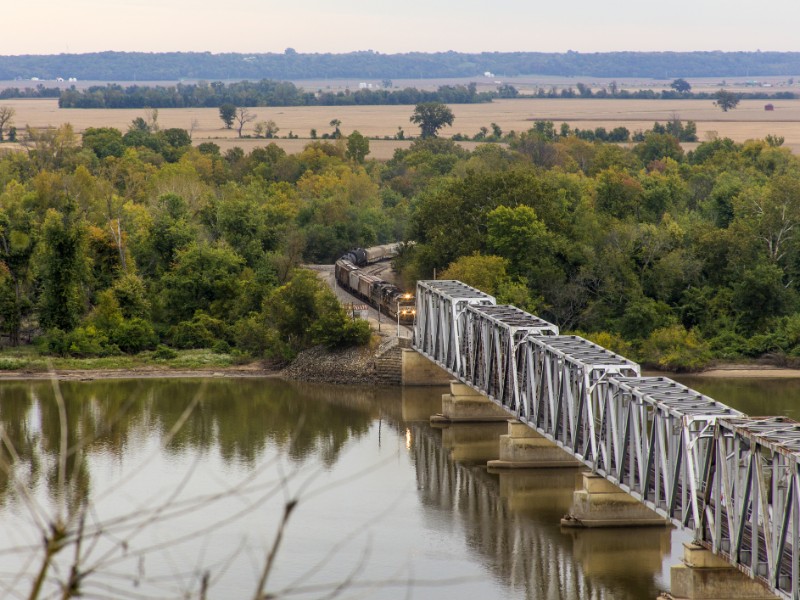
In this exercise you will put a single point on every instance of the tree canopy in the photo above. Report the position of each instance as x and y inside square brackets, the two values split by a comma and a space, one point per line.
[431, 117]
[726, 100]
[123, 241]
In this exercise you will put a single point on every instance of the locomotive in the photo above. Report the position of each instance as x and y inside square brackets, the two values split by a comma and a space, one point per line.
[382, 295]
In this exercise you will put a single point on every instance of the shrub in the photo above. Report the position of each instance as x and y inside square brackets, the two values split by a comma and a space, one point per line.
[676, 349]
[203, 331]
[162, 352]
[766, 343]
[277, 348]
[611, 341]
[728, 344]
[134, 335]
[250, 335]
[83, 341]
[643, 316]
[221, 347]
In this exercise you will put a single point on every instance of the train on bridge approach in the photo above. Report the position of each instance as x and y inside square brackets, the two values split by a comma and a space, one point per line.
[382, 295]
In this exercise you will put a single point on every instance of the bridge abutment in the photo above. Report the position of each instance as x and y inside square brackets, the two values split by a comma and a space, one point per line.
[602, 504]
[524, 448]
[706, 576]
[418, 370]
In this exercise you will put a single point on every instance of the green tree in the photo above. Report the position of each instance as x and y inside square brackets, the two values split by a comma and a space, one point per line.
[487, 273]
[227, 112]
[202, 278]
[618, 194]
[63, 268]
[104, 141]
[304, 312]
[337, 133]
[518, 235]
[657, 146]
[773, 214]
[681, 86]
[171, 231]
[726, 100]
[507, 90]
[760, 295]
[357, 147]
[431, 117]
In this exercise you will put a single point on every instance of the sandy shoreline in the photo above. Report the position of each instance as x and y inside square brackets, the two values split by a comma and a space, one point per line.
[754, 372]
[143, 373]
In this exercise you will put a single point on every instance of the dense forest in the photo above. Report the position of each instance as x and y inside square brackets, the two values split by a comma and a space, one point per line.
[262, 93]
[129, 241]
[141, 66]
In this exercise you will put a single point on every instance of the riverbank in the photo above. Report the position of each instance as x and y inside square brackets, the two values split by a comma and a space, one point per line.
[255, 370]
[749, 372]
[352, 365]
[349, 366]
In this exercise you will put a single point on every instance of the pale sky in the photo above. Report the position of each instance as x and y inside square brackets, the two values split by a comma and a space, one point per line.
[389, 26]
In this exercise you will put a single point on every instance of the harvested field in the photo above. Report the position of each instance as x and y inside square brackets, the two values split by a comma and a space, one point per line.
[748, 121]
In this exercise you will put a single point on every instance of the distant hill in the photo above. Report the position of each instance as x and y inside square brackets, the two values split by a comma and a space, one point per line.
[165, 66]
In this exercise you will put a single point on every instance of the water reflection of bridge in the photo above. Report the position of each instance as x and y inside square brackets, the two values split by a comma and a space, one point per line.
[511, 521]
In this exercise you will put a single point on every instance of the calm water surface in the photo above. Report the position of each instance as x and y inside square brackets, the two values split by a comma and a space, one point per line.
[186, 479]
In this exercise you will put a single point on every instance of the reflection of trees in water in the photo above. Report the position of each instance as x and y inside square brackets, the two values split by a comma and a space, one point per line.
[536, 560]
[238, 418]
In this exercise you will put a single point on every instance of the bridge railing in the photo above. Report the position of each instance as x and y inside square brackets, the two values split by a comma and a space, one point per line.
[440, 324]
[733, 479]
[492, 340]
[656, 443]
[752, 513]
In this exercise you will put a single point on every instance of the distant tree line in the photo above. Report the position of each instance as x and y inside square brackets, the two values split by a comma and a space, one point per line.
[257, 93]
[546, 130]
[582, 90]
[268, 92]
[38, 92]
[127, 66]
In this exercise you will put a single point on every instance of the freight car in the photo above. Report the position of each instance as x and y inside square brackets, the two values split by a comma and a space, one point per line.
[382, 295]
[361, 256]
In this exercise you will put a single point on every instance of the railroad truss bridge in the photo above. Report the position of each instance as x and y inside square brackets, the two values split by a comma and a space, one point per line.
[734, 480]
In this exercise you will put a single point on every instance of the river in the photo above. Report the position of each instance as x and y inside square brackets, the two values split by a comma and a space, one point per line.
[176, 488]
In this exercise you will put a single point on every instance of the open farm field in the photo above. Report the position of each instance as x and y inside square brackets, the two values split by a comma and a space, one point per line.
[748, 121]
[526, 84]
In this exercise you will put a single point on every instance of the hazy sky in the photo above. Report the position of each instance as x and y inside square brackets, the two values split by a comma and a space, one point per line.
[55, 26]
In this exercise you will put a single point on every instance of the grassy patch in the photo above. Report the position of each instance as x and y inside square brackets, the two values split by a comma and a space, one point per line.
[28, 359]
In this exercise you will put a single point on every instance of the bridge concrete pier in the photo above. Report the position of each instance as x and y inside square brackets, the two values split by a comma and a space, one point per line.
[464, 404]
[419, 403]
[546, 493]
[604, 552]
[706, 576]
[602, 504]
[524, 448]
[472, 442]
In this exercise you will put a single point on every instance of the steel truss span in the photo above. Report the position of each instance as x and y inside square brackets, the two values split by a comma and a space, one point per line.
[733, 479]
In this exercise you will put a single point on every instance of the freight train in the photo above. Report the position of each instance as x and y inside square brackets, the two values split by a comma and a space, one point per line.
[384, 296]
